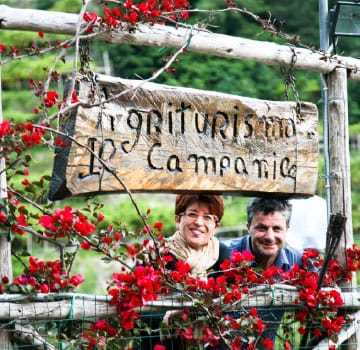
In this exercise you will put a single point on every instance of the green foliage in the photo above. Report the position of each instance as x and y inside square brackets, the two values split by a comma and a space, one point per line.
[17, 104]
[18, 72]
[354, 129]
[67, 6]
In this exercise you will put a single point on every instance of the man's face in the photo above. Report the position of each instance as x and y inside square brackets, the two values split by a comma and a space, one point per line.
[197, 225]
[268, 233]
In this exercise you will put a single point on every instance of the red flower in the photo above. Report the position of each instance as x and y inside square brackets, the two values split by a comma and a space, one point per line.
[48, 222]
[182, 267]
[100, 325]
[25, 182]
[5, 128]
[2, 48]
[85, 245]
[133, 17]
[132, 249]
[116, 12]
[253, 312]
[271, 272]
[44, 288]
[20, 221]
[287, 345]
[100, 217]
[77, 279]
[3, 217]
[109, 18]
[83, 226]
[158, 225]
[128, 4]
[159, 347]
[117, 236]
[74, 97]
[187, 333]
[59, 142]
[301, 330]
[107, 240]
[267, 343]
[144, 8]
[90, 17]
[41, 34]
[50, 98]
[259, 326]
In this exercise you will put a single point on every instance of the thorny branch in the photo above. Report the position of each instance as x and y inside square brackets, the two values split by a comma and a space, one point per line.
[267, 25]
[154, 76]
[113, 172]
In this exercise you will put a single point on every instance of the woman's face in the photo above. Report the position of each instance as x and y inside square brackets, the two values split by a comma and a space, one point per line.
[197, 225]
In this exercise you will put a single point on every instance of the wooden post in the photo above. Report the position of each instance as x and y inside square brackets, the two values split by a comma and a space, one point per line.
[340, 178]
[5, 245]
[339, 162]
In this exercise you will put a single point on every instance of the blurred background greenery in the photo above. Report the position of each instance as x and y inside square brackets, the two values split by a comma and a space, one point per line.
[191, 70]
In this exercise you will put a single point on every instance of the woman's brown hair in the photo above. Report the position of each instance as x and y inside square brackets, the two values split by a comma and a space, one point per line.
[215, 203]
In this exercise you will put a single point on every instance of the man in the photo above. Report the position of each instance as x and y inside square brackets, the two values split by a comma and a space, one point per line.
[268, 222]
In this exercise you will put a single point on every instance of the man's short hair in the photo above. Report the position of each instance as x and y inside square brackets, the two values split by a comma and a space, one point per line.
[268, 206]
[215, 203]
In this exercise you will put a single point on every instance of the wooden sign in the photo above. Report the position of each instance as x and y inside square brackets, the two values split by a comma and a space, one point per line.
[168, 139]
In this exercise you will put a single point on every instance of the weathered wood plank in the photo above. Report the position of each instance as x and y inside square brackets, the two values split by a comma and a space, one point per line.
[82, 307]
[169, 139]
[202, 41]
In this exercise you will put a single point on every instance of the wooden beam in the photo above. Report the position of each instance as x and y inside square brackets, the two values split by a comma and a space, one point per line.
[18, 307]
[202, 41]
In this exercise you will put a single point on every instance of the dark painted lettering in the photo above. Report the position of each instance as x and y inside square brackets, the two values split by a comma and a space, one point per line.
[262, 167]
[134, 124]
[150, 162]
[173, 163]
[182, 110]
[225, 121]
[286, 170]
[224, 164]
[202, 129]
[243, 165]
[206, 161]
[91, 145]
[157, 124]
[249, 127]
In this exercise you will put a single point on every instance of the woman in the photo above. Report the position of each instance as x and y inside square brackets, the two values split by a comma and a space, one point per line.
[197, 216]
